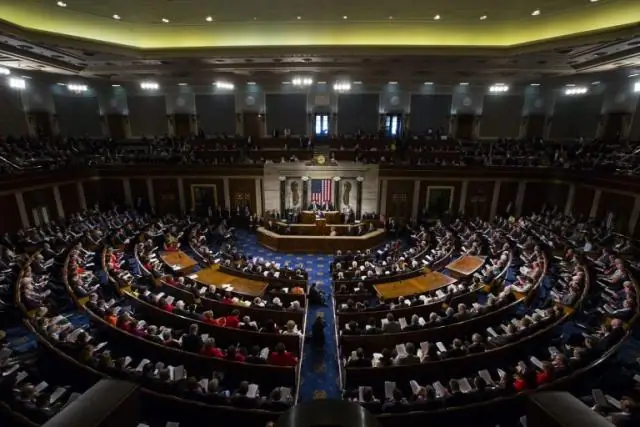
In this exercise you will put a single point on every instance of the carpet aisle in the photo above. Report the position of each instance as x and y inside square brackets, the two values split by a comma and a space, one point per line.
[320, 376]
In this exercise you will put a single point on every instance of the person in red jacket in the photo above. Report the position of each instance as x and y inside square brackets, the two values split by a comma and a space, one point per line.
[210, 349]
[545, 375]
[281, 357]
[163, 304]
[519, 383]
[233, 320]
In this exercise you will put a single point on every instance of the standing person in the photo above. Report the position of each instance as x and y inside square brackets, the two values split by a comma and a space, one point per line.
[317, 332]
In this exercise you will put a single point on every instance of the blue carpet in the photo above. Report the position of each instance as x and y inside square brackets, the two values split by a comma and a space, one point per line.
[320, 372]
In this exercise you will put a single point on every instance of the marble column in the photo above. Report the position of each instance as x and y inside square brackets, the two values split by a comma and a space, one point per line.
[227, 194]
[152, 199]
[181, 199]
[494, 199]
[258, 207]
[336, 193]
[58, 199]
[415, 206]
[305, 194]
[595, 203]
[22, 210]
[359, 199]
[463, 196]
[383, 197]
[522, 186]
[568, 207]
[126, 185]
[283, 192]
[81, 199]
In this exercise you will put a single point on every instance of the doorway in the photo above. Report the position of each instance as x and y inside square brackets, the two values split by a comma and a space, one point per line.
[252, 125]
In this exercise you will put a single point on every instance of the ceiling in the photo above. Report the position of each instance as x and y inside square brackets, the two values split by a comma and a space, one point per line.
[328, 22]
[510, 45]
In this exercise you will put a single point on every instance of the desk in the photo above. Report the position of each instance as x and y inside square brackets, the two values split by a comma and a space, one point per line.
[213, 276]
[466, 265]
[178, 261]
[320, 228]
[413, 286]
[309, 217]
[319, 244]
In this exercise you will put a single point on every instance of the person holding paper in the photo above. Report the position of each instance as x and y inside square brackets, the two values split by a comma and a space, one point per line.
[358, 360]
[410, 358]
[391, 326]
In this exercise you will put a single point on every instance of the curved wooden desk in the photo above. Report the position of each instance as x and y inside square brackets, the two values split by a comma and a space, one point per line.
[319, 244]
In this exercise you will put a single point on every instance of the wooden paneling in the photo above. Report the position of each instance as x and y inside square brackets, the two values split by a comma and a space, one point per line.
[10, 218]
[582, 201]
[139, 190]
[538, 194]
[242, 192]
[478, 201]
[508, 194]
[218, 190]
[92, 193]
[399, 198]
[41, 197]
[69, 198]
[620, 204]
[111, 191]
[424, 188]
[165, 193]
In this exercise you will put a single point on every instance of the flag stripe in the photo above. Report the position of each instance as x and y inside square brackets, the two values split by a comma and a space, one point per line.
[321, 190]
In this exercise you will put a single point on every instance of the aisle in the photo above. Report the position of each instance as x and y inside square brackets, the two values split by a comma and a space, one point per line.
[320, 373]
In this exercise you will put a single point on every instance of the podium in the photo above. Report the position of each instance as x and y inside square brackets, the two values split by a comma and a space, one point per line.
[309, 217]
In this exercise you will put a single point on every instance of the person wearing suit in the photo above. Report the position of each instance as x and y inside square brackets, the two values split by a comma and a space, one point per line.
[391, 327]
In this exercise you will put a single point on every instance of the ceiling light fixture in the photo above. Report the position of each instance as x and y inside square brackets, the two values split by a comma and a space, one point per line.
[5, 71]
[428, 83]
[595, 83]
[342, 86]
[16, 83]
[165, 20]
[464, 84]
[209, 19]
[345, 17]
[77, 88]
[224, 85]
[298, 17]
[483, 17]
[116, 17]
[437, 17]
[302, 81]
[534, 84]
[393, 83]
[182, 84]
[251, 83]
[636, 87]
[575, 91]
[149, 86]
[357, 83]
[498, 88]
[115, 85]
[61, 4]
[390, 17]
[61, 84]
[593, 1]
[634, 75]
[535, 12]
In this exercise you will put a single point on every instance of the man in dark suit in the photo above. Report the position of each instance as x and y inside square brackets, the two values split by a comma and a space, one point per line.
[314, 206]
[192, 342]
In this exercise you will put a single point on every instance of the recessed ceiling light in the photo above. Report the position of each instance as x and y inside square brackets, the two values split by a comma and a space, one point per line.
[428, 83]
[464, 84]
[437, 17]
[165, 20]
[393, 83]
[255, 18]
[209, 19]
[535, 84]
[390, 17]
[536, 12]
[116, 17]
[182, 84]
[286, 83]
[345, 17]
[62, 84]
[570, 85]
[634, 75]
[251, 83]
[593, 1]
[298, 17]
[61, 4]
[357, 83]
[595, 83]
[483, 17]
[115, 85]
[322, 83]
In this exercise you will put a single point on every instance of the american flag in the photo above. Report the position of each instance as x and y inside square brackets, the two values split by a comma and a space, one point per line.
[321, 190]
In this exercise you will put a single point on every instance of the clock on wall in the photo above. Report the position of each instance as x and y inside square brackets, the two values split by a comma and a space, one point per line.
[320, 159]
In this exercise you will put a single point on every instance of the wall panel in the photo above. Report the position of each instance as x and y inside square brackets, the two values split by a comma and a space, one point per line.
[92, 193]
[478, 200]
[78, 115]
[111, 191]
[501, 116]
[358, 113]
[242, 193]
[425, 184]
[287, 111]
[621, 205]
[165, 192]
[582, 201]
[69, 198]
[430, 112]
[216, 113]
[147, 115]
[576, 116]
[10, 218]
[634, 133]
[215, 183]
[538, 194]
[508, 194]
[13, 120]
[399, 198]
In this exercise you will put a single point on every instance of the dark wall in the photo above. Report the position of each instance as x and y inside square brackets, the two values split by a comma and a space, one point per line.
[583, 200]
[538, 194]
[358, 112]
[479, 196]
[188, 184]
[501, 115]
[508, 194]
[13, 120]
[148, 115]
[430, 112]
[620, 204]
[111, 191]
[287, 111]
[576, 116]
[399, 198]
[241, 190]
[37, 198]
[457, 185]
[216, 113]
[92, 193]
[78, 115]
[165, 193]
[10, 217]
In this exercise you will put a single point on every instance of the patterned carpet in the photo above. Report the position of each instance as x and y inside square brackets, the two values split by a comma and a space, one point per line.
[320, 377]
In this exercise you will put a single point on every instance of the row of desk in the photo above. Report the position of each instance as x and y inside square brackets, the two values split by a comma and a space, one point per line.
[319, 244]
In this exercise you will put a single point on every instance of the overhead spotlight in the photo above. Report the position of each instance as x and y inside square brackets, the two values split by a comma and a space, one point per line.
[636, 87]
[575, 91]
[483, 17]
[16, 83]
[149, 86]
[428, 83]
[390, 17]
[5, 71]
[437, 17]
[114, 85]
[499, 88]
[209, 19]
[251, 83]
[298, 17]
[224, 85]
[593, 1]
[357, 83]
[596, 83]
[116, 17]
[393, 83]
[77, 88]
[464, 84]
[342, 86]
[165, 20]
[61, 84]
[61, 4]
[300, 81]
[634, 75]
[534, 84]
[345, 17]
[535, 12]
[182, 84]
